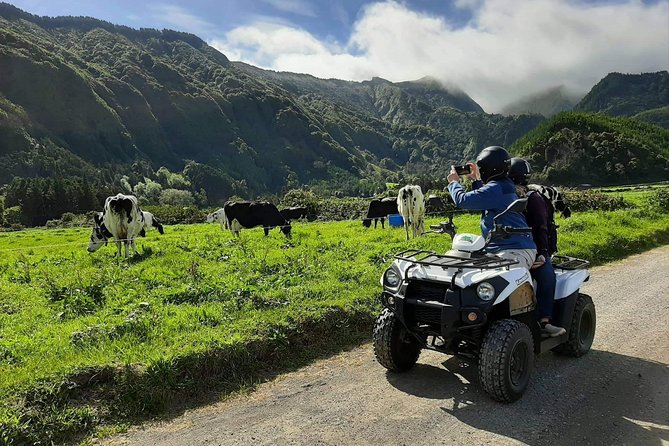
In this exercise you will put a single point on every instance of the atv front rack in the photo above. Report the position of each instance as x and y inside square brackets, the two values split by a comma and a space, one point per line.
[569, 263]
[431, 258]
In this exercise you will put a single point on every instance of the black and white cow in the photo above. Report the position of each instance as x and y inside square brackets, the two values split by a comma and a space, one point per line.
[553, 195]
[294, 213]
[248, 214]
[379, 210]
[411, 204]
[150, 222]
[121, 219]
[218, 216]
[434, 204]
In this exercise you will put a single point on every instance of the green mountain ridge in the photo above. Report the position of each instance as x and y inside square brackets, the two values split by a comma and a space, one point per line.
[620, 94]
[113, 96]
[104, 106]
[574, 148]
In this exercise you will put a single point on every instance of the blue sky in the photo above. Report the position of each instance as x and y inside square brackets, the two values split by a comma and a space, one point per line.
[495, 50]
[327, 19]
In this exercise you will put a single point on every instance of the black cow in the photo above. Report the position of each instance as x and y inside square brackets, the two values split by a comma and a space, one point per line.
[294, 213]
[379, 209]
[434, 204]
[249, 214]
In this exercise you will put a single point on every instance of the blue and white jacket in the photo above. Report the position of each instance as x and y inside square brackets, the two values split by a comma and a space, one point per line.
[492, 198]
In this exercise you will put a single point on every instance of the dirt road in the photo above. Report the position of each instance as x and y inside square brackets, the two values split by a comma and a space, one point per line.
[616, 394]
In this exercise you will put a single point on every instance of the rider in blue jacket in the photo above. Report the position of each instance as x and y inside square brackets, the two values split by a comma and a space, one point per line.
[492, 192]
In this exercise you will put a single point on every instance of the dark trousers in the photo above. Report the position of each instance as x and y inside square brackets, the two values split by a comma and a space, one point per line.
[545, 277]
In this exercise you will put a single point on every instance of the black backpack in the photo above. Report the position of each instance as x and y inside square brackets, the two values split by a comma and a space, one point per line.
[552, 227]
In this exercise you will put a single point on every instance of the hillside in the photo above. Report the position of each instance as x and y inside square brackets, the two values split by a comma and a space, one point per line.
[573, 148]
[86, 98]
[546, 103]
[627, 94]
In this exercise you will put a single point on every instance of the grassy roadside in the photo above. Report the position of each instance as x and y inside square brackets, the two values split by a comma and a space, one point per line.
[89, 340]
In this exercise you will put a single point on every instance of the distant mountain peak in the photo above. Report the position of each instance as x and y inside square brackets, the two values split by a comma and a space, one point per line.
[547, 102]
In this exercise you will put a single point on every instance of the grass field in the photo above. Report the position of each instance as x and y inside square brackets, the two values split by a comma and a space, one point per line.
[89, 339]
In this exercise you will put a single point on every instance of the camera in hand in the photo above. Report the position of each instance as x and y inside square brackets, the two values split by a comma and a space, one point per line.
[463, 170]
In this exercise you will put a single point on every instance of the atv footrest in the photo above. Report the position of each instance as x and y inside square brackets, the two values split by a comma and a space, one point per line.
[549, 343]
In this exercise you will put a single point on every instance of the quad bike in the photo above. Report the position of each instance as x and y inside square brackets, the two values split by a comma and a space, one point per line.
[479, 307]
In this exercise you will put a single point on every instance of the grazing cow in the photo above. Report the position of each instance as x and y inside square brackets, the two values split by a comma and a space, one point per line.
[434, 204]
[218, 216]
[150, 221]
[248, 214]
[379, 209]
[554, 196]
[411, 204]
[122, 219]
[294, 213]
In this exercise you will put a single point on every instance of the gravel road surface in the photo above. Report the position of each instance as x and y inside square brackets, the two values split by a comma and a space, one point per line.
[617, 394]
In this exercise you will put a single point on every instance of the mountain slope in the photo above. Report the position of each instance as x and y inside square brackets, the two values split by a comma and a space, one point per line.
[546, 103]
[573, 148]
[627, 94]
[128, 101]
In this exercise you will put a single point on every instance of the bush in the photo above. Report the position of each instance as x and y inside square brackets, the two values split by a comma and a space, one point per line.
[13, 216]
[659, 199]
[172, 215]
[299, 197]
[590, 200]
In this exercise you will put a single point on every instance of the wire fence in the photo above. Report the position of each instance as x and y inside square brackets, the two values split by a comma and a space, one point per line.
[172, 236]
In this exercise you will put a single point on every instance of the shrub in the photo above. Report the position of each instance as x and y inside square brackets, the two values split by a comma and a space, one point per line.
[590, 200]
[299, 197]
[659, 199]
[13, 216]
[173, 215]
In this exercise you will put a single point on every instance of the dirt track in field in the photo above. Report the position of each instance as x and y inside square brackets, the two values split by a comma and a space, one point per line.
[617, 394]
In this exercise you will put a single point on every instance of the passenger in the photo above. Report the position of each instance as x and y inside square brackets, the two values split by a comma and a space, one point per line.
[539, 216]
[492, 193]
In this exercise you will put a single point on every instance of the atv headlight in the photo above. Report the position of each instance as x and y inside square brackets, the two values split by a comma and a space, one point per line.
[485, 291]
[391, 278]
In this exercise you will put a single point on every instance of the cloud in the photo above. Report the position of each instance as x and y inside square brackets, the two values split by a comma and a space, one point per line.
[181, 19]
[508, 49]
[300, 7]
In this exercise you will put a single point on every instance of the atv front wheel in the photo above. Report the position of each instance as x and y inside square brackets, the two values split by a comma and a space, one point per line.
[506, 359]
[394, 347]
[582, 329]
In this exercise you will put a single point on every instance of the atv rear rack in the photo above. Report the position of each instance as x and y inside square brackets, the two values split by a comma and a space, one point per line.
[431, 258]
[569, 263]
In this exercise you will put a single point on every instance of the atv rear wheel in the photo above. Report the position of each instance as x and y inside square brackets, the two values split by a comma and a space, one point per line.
[506, 359]
[582, 329]
[394, 347]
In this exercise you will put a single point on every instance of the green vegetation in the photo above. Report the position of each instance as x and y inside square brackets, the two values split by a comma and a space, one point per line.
[627, 94]
[573, 148]
[91, 340]
[86, 100]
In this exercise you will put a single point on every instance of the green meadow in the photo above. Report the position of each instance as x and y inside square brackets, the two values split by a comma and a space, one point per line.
[90, 340]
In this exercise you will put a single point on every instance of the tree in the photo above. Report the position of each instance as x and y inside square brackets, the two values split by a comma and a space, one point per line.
[176, 197]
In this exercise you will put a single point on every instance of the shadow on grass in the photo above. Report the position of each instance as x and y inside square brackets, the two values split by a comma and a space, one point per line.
[601, 398]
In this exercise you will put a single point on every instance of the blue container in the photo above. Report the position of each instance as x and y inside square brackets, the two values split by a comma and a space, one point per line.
[395, 220]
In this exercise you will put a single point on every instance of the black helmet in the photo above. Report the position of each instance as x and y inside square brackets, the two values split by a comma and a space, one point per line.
[493, 162]
[520, 171]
